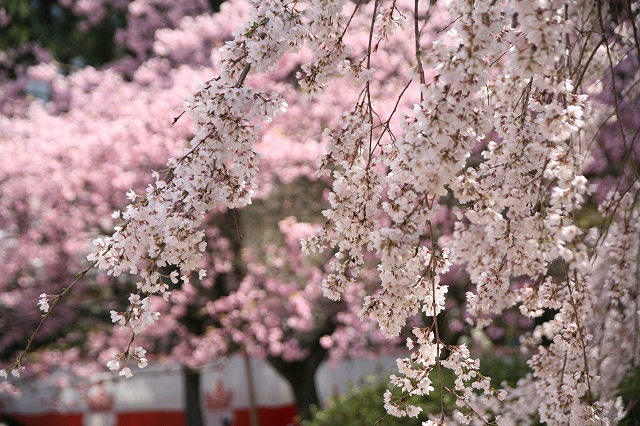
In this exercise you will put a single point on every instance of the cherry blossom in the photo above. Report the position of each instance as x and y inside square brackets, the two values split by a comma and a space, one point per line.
[503, 113]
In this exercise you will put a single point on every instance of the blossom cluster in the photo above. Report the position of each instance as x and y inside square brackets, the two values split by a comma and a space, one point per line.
[502, 82]
[493, 122]
[162, 227]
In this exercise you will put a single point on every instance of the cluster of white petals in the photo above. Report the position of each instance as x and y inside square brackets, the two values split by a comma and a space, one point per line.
[498, 132]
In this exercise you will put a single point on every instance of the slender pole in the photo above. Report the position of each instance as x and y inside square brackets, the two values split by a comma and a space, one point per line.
[253, 406]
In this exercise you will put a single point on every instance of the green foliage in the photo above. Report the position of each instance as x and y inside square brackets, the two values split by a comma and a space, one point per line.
[364, 405]
[501, 368]
[46, 23]
[18, 32]
[630, 392]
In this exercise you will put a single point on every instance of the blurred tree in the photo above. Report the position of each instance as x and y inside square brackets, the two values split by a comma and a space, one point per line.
[488, 129]
[68, 162]
[49, 25]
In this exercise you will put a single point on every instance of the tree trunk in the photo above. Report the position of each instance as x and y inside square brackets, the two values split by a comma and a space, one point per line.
[301, 376]
[193, 410]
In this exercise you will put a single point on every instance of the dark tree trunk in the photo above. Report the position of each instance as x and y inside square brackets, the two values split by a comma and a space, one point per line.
[301, 376]
[193, 411]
